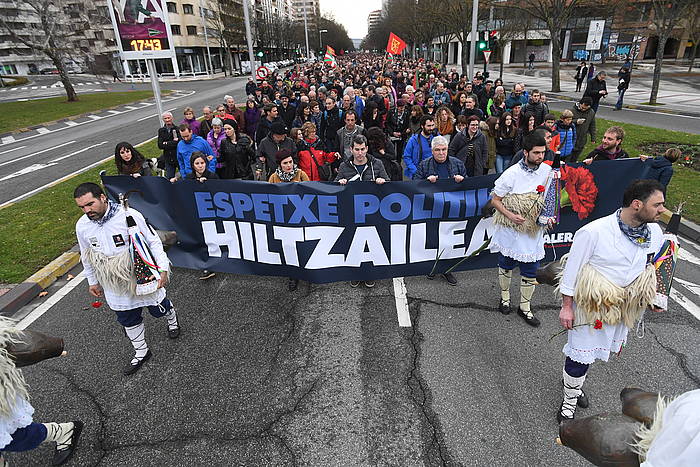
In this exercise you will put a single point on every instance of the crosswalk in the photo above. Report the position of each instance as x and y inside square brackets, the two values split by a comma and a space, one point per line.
[52, 86]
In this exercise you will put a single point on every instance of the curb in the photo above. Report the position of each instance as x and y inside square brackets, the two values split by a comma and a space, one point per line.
[25, 292]
[648, 108]
[687, 228]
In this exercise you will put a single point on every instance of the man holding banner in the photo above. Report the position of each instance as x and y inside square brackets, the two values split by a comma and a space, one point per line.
[518, 197]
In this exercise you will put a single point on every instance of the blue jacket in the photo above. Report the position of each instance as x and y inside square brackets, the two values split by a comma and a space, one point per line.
[359, 107]
[567, 137]
[512, 99]
[417, 150]
[429, 167]
[185, 150]
[441, 99]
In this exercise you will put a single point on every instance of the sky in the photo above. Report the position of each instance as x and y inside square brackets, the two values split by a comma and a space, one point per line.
[352, 14]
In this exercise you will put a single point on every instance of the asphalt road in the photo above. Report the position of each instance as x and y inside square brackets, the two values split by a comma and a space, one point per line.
[325, 376]
[39, 157]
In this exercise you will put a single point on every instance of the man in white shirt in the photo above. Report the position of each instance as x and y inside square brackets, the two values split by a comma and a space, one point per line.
[608, 281]
[104, 241]
[518, 197]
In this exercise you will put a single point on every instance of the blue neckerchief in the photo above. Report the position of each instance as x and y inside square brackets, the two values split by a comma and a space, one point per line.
[640, 236]
[111, 211]
[525, 167]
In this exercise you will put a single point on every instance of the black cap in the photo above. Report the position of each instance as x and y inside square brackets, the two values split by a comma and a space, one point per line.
[278, 128]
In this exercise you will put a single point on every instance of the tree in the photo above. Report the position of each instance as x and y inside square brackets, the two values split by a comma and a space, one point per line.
[336, 35]
[555, 14]
[666, 15]
[510, 24]
[225, 19]
[52, 35]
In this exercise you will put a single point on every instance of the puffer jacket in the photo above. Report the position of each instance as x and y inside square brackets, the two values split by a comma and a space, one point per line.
[373, 170]
[567, 137]
[306, 161]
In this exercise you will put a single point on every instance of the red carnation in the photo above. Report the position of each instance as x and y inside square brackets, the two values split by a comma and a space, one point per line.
[598, 324]
[540, 188]
[581, 189]
[96, 304]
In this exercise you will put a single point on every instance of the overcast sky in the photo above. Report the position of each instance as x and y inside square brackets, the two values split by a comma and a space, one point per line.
[352, 14]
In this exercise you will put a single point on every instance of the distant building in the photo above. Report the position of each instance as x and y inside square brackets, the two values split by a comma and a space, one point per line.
[373, 19]
[313, 12]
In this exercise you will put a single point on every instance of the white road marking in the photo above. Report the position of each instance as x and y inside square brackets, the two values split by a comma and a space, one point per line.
[15, 149]
[8, 139]
[43, 130]
[94, 117]
[685, 255]
[66, 177]
[633, 110]
[146, 118]
[130, 107]
[401, 303]
[37, 312]
[114, 112]
[683, 301]
[26, 170]
[79, 151]
[694, 288]
[71, 123]
[37, 153]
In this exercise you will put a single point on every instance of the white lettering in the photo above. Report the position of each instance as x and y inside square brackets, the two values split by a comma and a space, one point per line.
[247, 240]
[418, 251]
[448, 239]
[398, 243]
[262, 246]
[214, 239]
[289, 236]
[321, 257]
[366, 246]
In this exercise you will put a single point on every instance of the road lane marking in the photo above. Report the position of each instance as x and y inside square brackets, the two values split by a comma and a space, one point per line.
[26, 170]
[79, 151]
[37, 312]
[8, 139]
[685, 255]
[94, 117]
[71, 123]
[401, 303]
[151, 116]
[43, 130]
[693, 288]
[683, 301]
[37, 153]
[66, 177]
[10, 150]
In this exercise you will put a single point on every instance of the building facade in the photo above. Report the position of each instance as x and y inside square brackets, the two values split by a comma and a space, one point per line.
[373, 19]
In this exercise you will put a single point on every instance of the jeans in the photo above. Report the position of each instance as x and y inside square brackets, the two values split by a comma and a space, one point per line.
[502, 163]
[620, 96]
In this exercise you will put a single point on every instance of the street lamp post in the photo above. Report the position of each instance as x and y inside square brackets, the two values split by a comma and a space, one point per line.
[249, 39]
[472, 49]
[306, 35]
[320, 41]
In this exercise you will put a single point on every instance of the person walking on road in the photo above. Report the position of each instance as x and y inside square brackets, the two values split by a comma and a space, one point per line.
[531, 61]
[609, 272]
[581, 74]
[596, 89]
[104, 240]
[168, 138]
[287, 171]
[623, 83]
[584, 118]
[518, 197]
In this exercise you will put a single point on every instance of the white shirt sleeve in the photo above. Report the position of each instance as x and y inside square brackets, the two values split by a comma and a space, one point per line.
[581, 250]
[153, 240]
[504, 184]
[87, 267]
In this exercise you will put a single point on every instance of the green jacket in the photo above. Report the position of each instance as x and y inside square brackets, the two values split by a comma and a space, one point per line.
[587, 127]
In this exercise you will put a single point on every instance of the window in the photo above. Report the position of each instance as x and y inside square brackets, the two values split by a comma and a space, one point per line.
[187, 9]
[191, 30]
[172, 7]
[175, 29]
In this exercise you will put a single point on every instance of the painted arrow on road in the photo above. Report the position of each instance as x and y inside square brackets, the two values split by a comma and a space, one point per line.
[26, 170]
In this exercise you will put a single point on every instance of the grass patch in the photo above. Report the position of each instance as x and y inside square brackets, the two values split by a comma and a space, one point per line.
[685, 182]
[36, 230]
[17, 115]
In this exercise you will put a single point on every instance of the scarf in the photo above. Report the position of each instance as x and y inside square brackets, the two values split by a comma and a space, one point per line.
[111, 211]
[610, 155]
[286, 176]
[640, 236]
[525, 167]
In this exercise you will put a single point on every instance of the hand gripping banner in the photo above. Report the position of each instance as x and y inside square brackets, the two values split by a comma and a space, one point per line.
[325, 232]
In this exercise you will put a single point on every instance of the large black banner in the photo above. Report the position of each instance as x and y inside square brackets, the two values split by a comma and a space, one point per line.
[325, 232]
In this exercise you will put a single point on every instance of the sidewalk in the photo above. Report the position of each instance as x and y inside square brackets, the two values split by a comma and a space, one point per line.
[679, 94]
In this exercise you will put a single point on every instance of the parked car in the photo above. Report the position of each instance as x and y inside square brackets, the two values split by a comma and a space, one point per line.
[48, 71]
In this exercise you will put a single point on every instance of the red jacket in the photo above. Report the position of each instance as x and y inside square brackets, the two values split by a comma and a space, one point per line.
[306, 162]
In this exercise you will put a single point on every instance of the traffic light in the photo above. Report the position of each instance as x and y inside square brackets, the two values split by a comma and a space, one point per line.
[260, 54]
[482, 45]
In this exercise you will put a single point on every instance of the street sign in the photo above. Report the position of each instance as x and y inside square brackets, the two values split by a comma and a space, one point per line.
[595, 35]
[262, 72]
[487, 55]
[142, 29]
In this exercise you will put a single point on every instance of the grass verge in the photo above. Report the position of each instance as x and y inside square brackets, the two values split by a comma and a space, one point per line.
[38, 229]
[17, 115]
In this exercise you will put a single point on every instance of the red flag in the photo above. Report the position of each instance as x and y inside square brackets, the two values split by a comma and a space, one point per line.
[395, 44]
[415, 80]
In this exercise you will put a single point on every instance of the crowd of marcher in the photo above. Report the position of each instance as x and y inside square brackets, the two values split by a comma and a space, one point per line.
[370, 119]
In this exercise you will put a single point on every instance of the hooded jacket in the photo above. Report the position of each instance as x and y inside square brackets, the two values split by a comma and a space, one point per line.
[567, 137]
[587, 127]
[476, 160]
[373, 170]
[660, 169]
[236, 158]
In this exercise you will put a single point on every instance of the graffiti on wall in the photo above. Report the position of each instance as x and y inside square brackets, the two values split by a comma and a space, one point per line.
[622, 51]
